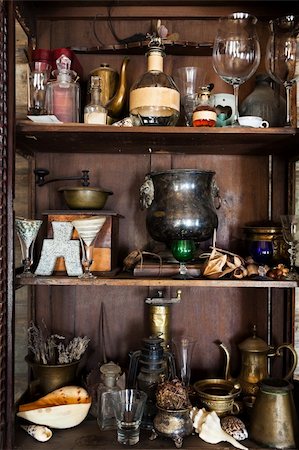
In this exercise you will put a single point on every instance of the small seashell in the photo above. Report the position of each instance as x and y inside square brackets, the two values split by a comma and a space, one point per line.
[235, 427]
[39, 432]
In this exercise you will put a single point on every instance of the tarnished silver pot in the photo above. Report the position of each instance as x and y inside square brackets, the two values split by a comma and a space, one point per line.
[180, 204]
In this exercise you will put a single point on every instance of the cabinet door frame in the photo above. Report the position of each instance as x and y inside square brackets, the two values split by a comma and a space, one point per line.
[7, 133]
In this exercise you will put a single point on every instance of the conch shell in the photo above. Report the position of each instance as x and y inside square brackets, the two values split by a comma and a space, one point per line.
[63, 408]
[39, 432]
[208, 427]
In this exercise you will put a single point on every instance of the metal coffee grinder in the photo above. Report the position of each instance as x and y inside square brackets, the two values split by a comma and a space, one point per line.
[145, 369]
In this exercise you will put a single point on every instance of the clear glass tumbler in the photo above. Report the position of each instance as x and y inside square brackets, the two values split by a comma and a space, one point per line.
[128, 406]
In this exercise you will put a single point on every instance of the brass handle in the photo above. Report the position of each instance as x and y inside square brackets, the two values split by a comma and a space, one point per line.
[295, 358]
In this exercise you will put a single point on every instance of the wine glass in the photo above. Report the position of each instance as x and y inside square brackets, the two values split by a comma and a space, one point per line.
[27, 230]
[290, 231]
[183, 250]
[281, 55]
[88, 230]
[236, 52]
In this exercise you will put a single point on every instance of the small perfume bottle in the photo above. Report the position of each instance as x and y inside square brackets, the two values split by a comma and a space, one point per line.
[94, 111]
[155, 98]
[105, 415]
[204, 115]
[63, 94]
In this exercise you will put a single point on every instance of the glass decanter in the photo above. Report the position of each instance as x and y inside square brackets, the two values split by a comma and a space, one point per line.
[105, 415]
[204, 114]
[94, 111]
[63, 94]
[155, 98]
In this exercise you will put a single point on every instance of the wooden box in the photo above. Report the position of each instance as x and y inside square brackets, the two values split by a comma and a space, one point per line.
[105, 252]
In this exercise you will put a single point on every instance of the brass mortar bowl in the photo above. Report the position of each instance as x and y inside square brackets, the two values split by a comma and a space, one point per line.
[217, 394]
[82, 197]
[53, 376]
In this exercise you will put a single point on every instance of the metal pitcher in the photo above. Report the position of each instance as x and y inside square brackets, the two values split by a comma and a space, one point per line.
[274, 422]
[255, 353]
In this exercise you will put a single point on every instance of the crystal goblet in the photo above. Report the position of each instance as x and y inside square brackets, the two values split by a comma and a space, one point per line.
[88, 230]
[183, 250]
[27, 230]
[236, 52]
[290, 231]
[282, 55]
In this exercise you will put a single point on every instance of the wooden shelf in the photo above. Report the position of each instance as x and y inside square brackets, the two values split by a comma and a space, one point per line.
[88, 436]
[183, 48]
[127, 280]
[82, 138]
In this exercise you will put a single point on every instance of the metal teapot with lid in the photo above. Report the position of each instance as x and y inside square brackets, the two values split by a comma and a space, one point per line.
[255, 353]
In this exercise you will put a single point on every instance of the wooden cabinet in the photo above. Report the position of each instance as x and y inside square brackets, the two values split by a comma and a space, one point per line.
[253, 169]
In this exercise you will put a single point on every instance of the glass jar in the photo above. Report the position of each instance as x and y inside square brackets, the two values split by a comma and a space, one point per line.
[204, 115]
[155, 98]
[94, 111]
[63, 93]
[105, 415]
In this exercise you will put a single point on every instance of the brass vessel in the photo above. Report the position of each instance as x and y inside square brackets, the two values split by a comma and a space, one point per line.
[217, 394]
[274, 422]
[85, 197]
[53, 376]
[109, 81]
[116, 105]
[255, 352]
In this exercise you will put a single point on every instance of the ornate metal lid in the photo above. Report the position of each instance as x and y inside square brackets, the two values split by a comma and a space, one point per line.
[254, 344]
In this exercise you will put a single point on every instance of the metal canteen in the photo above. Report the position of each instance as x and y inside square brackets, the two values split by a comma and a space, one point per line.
[255, 353]
[273, 421]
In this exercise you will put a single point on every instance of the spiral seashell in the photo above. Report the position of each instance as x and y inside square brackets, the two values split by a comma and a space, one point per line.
[39, 432]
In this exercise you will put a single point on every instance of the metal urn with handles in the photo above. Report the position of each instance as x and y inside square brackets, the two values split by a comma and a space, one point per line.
[180, 204]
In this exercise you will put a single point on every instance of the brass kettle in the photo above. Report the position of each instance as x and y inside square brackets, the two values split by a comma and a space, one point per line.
[109, 81]
[114, 89]
[255, 353]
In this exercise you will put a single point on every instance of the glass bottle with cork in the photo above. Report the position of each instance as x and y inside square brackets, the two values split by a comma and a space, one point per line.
[155, 98]
[63, 93]
[94, 111]
[205, 115]
[105, 415]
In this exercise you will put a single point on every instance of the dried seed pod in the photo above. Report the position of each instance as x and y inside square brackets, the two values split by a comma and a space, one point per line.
[172, 395]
